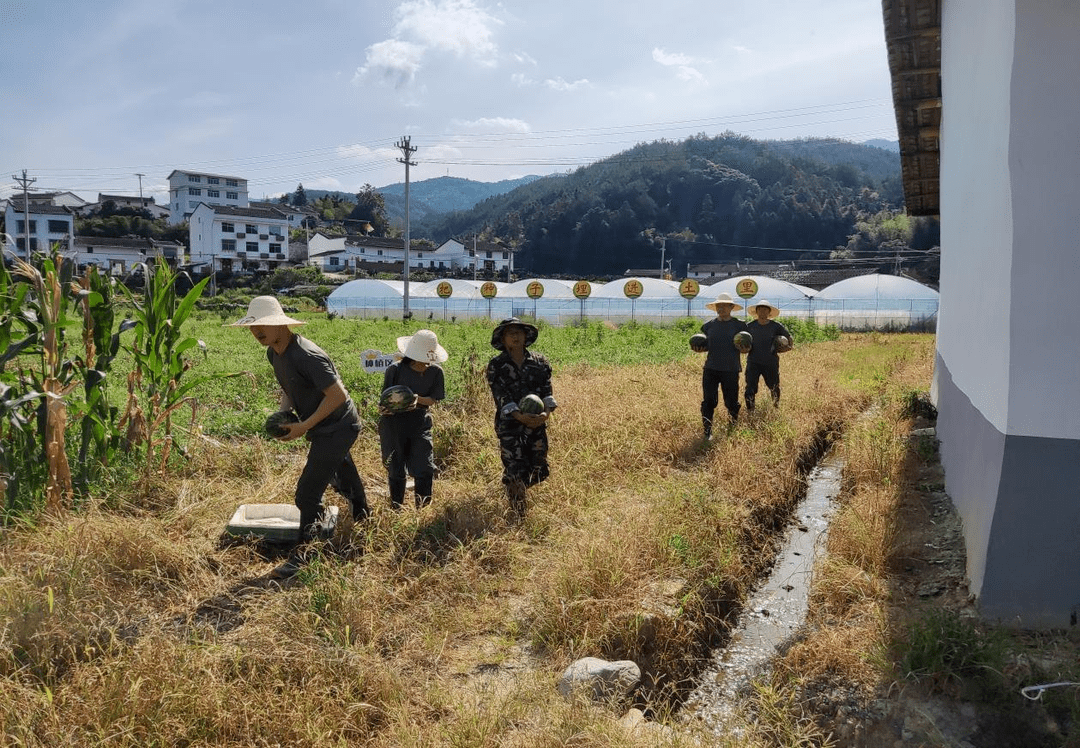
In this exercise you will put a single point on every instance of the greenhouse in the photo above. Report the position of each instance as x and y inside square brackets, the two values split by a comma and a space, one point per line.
[877, 302]
[866, 302]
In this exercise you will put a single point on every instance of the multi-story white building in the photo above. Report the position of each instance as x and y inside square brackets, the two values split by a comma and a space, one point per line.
[48, 224]
[233, 239]
[189, 188]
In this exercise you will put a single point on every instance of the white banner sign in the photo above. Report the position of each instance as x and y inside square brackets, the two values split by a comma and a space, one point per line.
[375, 362]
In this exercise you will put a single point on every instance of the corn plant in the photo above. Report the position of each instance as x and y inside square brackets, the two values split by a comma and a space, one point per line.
[44, 311]
[100, 437]
[155, 392]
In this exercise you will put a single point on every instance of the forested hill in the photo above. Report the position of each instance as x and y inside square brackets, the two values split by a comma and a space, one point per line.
[432, 197]
[716, 199]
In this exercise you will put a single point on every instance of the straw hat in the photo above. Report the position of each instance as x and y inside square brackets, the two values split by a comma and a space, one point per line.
[531, 332]
[265, 310]
[774, 311]
[423, 346]
[724, 298]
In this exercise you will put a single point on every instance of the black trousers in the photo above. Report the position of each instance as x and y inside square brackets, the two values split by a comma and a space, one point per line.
[329, 463]
[728, 384]
[770, 373]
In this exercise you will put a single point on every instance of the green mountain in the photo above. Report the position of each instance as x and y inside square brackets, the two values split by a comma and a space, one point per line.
[716, 199]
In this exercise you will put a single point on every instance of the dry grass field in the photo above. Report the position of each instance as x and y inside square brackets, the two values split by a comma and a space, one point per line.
[130, 624]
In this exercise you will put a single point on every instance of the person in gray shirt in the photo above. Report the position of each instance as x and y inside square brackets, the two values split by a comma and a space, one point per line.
[327, 417]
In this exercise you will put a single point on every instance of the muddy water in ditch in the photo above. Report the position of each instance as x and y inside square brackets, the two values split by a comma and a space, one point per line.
[773, 613]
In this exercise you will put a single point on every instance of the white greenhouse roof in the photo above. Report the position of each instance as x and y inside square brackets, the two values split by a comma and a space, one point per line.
[368, 288]
[652, 288]
[875, 286]
[769, 289]
[462, 289]
[553, 289]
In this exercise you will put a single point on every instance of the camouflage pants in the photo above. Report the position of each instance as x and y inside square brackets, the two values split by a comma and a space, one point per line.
[524, 454]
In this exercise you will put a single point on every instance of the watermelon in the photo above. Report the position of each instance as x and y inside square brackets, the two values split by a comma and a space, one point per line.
[699, 342]
[397, 399]
[781, 344]
[274, 421]
[532, 405]
[743, 340]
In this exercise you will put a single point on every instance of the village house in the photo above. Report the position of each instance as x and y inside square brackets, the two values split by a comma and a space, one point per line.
[231, 239]
[48, 224]
[117, 256]
[187, 189]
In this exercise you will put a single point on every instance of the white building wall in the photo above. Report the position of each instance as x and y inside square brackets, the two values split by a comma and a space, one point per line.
[1007, 383]
[231, 191]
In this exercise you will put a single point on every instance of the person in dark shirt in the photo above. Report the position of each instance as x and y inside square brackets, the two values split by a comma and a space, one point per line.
[523, 441]
[723, 362]
[763, 362]
[328, 419]
[405, 437]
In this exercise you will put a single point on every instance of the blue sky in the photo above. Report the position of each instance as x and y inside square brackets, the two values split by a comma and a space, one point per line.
[319, 92]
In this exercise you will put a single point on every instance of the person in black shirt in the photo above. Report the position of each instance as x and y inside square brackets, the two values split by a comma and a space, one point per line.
[723, 362]
[763, 361]
[405, 437]
[312, 389]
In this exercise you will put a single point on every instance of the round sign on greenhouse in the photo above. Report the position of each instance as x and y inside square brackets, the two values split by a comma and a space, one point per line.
[535, 290]
[633, 288]
[582, 289]
[488, 290]
[746, 288]
[444, 289]
[689, 289]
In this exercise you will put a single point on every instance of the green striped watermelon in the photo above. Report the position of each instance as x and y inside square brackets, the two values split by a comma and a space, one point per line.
[532, 404]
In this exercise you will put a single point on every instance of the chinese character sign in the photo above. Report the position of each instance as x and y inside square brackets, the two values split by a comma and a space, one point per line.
[444, 289]
[582, 289]
[746, 288]
[488, 290]
[535, 290]
[689, 289]
[375, 362]
[633, 288]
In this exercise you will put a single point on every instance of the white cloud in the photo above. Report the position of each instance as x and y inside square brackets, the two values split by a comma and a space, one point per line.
[423, 26]
[396, 61]
[492, 124]
[521, 80]
[558, 84]
[685, 65]
[525, 58]
[671, 59]
[457, 26]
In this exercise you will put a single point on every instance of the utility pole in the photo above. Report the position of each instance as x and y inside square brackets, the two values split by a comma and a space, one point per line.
[406, 150]
[25, 183]
[140, 176]
[663, 247]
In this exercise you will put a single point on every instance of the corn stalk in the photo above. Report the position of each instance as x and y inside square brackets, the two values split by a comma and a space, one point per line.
[54, 377]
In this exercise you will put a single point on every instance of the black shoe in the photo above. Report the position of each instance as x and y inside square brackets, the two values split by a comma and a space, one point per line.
[422, 501]
[289, 569]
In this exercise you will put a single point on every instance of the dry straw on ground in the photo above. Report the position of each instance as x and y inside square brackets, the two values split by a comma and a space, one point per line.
[130, 625]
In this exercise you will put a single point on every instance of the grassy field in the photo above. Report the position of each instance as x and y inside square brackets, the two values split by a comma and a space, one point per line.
[128, 623]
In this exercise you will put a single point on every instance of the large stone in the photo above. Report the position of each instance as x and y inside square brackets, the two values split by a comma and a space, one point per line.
[600, 680]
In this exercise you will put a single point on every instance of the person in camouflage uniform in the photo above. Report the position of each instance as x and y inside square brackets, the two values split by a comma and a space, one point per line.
[513, 374]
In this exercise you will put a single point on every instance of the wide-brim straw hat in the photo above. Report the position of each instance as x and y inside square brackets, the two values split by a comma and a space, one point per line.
[724, 298]
[265, 310]
[531, 333]
[422, 346]
[774, 311]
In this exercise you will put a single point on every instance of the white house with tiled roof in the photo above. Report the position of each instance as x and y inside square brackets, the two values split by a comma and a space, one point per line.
[233, 239]
[189, 188]
[117, 256]
[48, 224]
